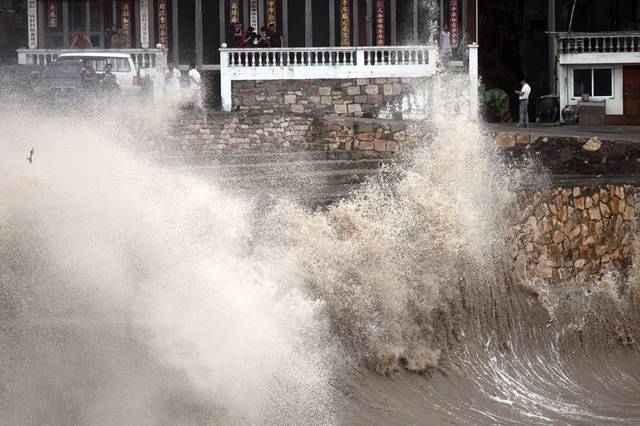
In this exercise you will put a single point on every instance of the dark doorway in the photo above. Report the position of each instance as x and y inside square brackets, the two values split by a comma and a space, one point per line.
[631, 89]
[296, 23]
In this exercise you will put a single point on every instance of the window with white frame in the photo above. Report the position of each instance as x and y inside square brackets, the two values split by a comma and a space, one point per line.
[596, 82]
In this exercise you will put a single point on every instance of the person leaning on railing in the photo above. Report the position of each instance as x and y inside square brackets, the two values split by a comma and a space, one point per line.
[249, 38]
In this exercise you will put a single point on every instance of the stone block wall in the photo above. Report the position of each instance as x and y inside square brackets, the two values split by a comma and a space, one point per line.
[351, 138]
[371, 138]
[362, 97]
[575, 233]
[221, 133]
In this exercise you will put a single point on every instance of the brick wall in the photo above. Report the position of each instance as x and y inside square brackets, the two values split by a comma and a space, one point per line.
[349, 98]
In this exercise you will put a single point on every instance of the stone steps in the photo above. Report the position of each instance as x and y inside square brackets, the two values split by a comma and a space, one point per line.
[284, 168]
[310, 181]
[310, 178]
[205, 158]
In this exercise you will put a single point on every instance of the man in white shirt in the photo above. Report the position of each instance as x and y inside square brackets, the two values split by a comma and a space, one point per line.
[195, 86]
[523, 96]
[172, 82]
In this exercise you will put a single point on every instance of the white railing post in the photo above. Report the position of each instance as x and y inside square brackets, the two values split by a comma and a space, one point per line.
[225, 79]
[359, 57]
[473, 81]
[432, 52]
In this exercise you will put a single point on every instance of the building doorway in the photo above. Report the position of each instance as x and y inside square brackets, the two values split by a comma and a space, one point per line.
[65, 20]
[86, 18]
[631, 93]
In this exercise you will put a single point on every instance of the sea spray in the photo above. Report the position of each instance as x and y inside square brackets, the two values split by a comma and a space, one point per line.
[100, 243]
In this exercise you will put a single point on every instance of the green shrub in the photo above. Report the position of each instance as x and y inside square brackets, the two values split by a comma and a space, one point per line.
[496, 103]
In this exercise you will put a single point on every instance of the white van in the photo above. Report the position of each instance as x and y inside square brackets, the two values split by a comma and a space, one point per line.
[127, 75]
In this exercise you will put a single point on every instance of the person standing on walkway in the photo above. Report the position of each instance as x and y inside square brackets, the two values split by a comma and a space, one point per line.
[172, 83]
[523, 97]
[445, 42]
[195, 86]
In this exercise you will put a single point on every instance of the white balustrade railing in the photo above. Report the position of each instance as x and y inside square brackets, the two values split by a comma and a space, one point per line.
[396, 55]
[607, 42]
[290, 57]
[311, 63]
[142, 58]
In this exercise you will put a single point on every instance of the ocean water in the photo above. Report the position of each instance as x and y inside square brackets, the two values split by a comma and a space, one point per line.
[133, 294]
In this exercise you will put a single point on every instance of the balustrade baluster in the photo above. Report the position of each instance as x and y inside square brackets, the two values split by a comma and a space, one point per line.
[588, 44]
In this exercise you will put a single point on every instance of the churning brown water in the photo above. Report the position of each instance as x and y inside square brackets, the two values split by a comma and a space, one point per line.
[131, 295]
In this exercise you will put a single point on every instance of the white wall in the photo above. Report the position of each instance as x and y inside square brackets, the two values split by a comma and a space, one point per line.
[616, 60]
[614, 105]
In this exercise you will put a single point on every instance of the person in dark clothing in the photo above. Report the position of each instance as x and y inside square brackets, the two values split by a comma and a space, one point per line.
[275, 37]
[107, 37]
[88, 76]
[263, 41]
[250, 38]
[110, 82]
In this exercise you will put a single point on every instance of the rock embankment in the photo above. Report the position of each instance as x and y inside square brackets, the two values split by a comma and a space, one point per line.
[572, 155]
[578, 232]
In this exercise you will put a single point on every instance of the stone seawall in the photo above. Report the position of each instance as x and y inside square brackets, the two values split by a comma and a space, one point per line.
[343, 137]
[577, 232]
[583, 223]
[576, 229]
[363, 97]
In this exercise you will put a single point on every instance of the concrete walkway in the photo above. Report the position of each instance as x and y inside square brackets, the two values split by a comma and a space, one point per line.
[621, 133]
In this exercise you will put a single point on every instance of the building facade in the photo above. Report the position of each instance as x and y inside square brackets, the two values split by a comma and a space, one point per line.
[193, 30]
[595, 51]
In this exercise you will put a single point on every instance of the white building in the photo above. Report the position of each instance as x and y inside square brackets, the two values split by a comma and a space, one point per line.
[601, 60]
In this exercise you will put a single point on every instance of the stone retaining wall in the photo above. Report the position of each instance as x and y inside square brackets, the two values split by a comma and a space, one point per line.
[353, 138]
[362, 97]
[577, 232]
